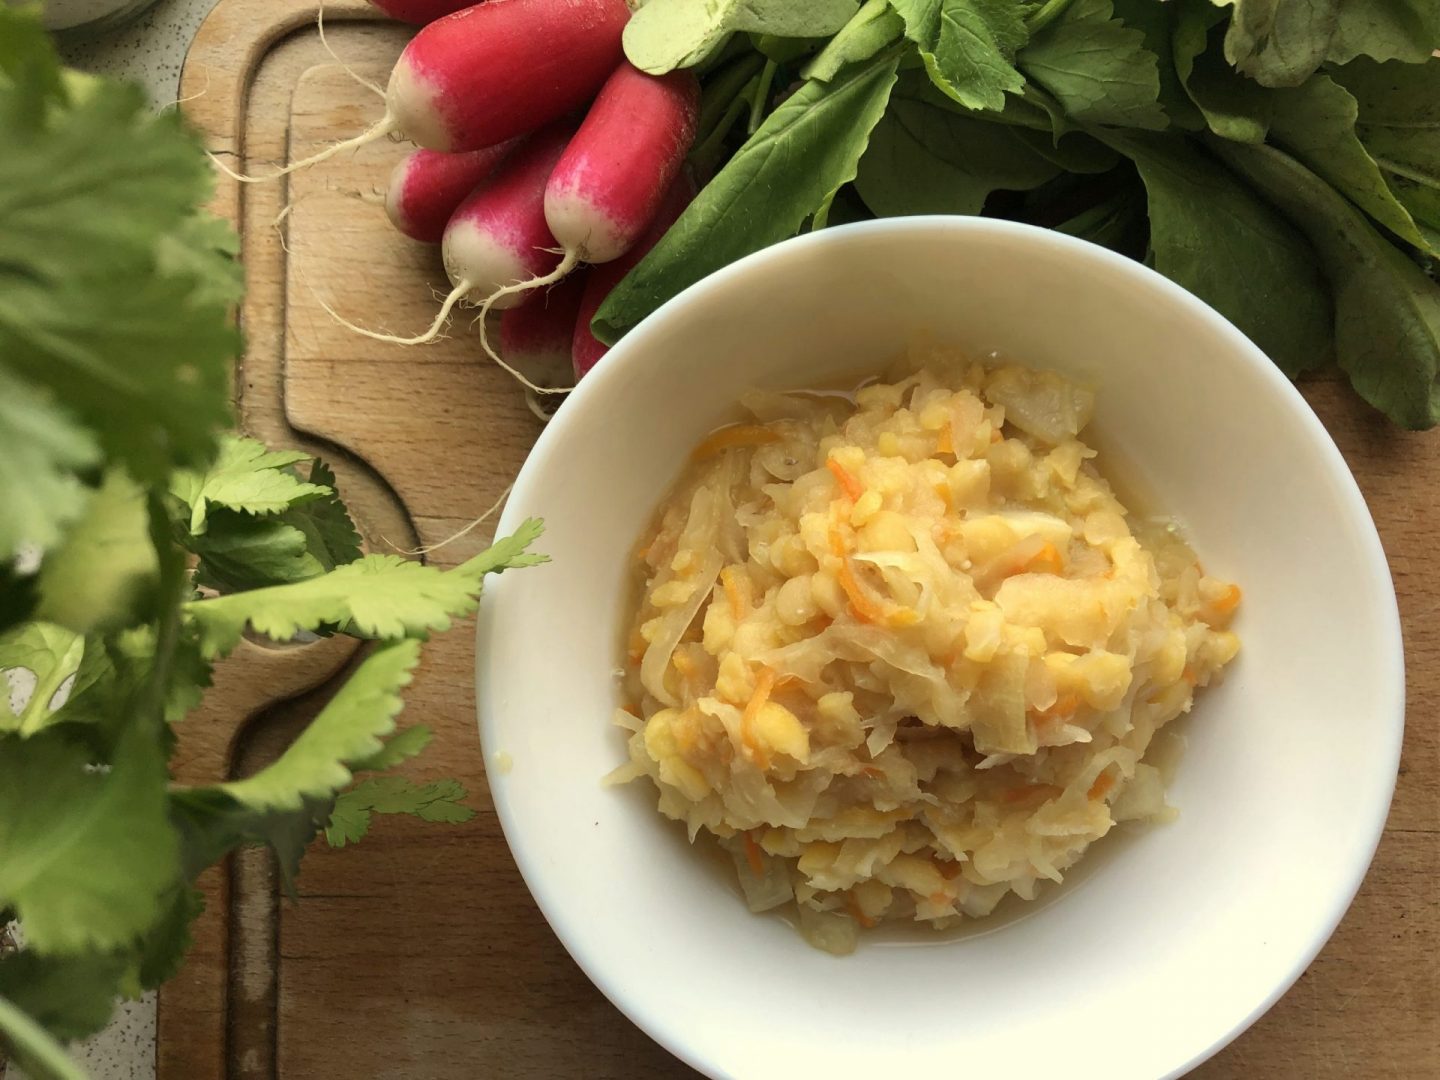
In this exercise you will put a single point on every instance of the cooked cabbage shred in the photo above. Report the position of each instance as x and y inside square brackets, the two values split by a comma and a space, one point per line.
[905, 653]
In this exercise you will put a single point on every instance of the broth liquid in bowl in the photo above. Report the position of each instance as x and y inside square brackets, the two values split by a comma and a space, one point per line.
[902, 654]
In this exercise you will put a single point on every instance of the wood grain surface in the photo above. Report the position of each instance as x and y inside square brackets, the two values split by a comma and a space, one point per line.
[418, 953]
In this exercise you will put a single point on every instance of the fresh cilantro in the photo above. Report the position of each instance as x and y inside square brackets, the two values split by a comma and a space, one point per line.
[87, 193]
[85, 854]
[377, 596]
[42, 448]
[239, 552]
[439, 800]
[348, 729]
[104, 573]
[49, 653]
[402, 747]
[209, 823]
[245, 477]
[72, 996]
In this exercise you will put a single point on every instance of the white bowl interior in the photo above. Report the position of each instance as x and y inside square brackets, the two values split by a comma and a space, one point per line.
[1187, 932]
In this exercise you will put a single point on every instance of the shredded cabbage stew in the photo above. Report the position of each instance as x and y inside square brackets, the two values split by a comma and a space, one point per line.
[904, 652]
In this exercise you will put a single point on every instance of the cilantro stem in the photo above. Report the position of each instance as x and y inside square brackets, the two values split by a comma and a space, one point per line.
[167, 633]
[1052, 10]
[762, 95]
[31, 1045]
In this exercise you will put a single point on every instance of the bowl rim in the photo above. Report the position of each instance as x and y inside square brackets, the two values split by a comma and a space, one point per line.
[572, 933]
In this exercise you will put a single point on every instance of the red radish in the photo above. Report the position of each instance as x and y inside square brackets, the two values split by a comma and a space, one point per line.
[497, 234]
[586, 348]
[489, 73]
[612, 177]
[420, 12]
[535, 337]
[616, 171]
[501, 69]
[427, 186]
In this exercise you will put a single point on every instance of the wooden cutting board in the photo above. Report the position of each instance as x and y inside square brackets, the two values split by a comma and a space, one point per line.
[418, 953]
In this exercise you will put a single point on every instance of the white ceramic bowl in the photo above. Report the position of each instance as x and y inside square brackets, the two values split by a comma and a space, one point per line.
[1185, 933]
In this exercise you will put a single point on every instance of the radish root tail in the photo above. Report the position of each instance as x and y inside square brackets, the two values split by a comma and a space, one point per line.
[441, 317]
[426, 549]
[320, 29]
[567, 264]
[380, 130]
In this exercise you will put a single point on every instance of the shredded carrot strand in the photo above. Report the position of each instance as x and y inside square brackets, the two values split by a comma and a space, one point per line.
[1045, 561]
[1103, 783]
[763, 685]
[846, 479]
[857, 912]
[861, 604]
[944, 443]
[1229, 600]
[752, 855]
[733, 437]
[1062, 708]
[733, 593]
[637, 646]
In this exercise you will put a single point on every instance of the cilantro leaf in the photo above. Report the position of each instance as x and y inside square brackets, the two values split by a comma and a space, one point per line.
[330, 535]
[52, 654]
[87, 192]
[206, 249]
[100, 577]
[163, 948]
[1280, 42]
[803, 152]
[968, 46]
[1097, 68]
[1229, 247]
[348, 729]
[71, 996]
[405, 745]
[507, 553]
[245, 477]
[41, 448]
[380, 596]
[439, 800]
[211, 823]
[1387, 310]
[661, 37]
[85, 856]
[239, 552]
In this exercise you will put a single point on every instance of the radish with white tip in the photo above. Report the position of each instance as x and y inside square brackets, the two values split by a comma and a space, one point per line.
[491, 72]
[427, 186]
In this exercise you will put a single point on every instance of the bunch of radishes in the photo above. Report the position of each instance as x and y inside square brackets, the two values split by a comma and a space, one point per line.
[514, 185]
